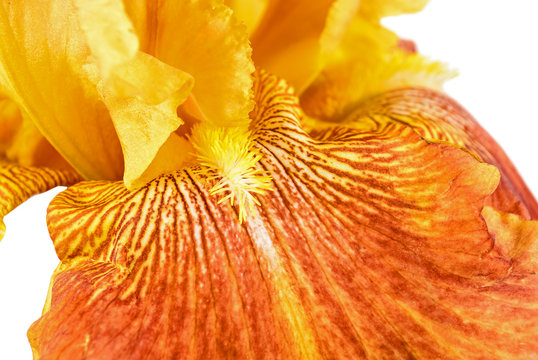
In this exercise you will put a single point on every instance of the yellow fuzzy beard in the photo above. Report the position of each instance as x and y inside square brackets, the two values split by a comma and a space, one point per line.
[227, 156]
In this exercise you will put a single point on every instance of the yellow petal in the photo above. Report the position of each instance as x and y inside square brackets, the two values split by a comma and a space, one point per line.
[30, 148]
[339, 19]
[50, 71]
[142, 96]
[437, 117]
[109, 98]
[108, 33]
[371, 245]
[18, 183]
[287, 40]
[174, 154]
[296, 40]
[377, 9]
[10, 122]
[249, 12]
[22, 144]
[203, 39]
[366, 62]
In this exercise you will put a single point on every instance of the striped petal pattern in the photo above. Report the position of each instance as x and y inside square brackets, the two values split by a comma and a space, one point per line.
[437, 117]
[370, 245]
[18, 183]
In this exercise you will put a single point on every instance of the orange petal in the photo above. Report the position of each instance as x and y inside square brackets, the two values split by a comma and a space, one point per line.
[203, 39]
[371, 245]
[437, 117]
[18, 183]
[515, 237]
[406, 45]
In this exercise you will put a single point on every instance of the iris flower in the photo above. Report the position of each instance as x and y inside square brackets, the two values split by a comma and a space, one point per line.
[259, 179]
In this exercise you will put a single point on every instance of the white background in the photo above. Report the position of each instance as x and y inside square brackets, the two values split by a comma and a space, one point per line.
[491, 42]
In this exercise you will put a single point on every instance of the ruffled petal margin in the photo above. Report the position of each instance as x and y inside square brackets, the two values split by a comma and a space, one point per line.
[437, 117]
[204, 39]
[370, 245]
[368, 60]
[18, 183]
[74, 69]
[45, 57]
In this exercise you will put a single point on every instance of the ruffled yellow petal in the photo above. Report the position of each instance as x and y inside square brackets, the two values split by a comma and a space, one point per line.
[108, 33]
[112, 107]
[367, 61]
[49, 71]
[289, 38]
[376, 9]
[142, 96]
[250, 12]
[203, 39]
[18, 183]
[370, 245]
[297, 40]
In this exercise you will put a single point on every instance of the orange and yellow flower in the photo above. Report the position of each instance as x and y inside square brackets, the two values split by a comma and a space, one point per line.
[332, 203]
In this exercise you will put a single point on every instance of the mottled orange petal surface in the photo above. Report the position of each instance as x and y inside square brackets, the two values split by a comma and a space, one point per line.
[437, 117]
[514, 236]
[18, 183]
[370, 245]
